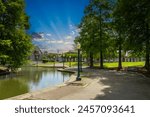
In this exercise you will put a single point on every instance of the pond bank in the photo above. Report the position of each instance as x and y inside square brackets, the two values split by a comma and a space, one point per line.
[4, 72]
[30, 79]
[33, 95]
[97, 85]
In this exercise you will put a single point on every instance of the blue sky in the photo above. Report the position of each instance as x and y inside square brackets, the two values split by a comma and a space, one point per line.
[56, 21]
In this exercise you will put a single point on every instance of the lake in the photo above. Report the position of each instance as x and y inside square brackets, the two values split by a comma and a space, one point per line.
[30, 79]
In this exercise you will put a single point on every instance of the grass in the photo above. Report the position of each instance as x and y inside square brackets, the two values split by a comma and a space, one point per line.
[124, 64]
[61, 63]
[106, 65]
[72, 63]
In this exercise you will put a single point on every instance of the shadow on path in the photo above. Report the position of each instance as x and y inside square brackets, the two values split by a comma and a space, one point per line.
[123, 86]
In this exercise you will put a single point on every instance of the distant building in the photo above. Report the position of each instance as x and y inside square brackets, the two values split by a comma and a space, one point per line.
[36, 54]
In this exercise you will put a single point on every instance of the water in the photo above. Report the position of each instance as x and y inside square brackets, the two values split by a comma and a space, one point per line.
[30, 79]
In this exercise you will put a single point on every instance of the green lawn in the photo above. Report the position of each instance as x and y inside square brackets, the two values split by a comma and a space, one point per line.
[111, 65]
[124, 64]
[75, 64]
[106, 65]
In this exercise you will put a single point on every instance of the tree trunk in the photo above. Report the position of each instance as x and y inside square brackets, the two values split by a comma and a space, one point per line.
[120, 62]
[147, 64]
[101, 42]
[147, 56]
[91, 59]
[101, 59]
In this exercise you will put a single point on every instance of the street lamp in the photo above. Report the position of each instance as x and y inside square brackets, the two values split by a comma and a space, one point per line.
[78, 75]
[81, 61]
[70, 61]
[63, 56]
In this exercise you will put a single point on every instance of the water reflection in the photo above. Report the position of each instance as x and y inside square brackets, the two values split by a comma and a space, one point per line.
[9, 88]
[30, 79]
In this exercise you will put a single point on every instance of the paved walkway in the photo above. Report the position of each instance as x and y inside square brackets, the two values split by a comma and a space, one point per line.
[98, 85]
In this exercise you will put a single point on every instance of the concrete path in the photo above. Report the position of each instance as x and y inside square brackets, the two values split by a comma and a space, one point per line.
[113, 85]
[97, 85]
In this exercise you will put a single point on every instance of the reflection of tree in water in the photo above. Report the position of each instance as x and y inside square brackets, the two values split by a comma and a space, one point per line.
[35, 74]
[65, 75]
[30, 78]
[32, 74]
[12, 87]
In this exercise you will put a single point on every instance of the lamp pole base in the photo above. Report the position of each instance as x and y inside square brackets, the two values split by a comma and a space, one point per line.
[78, 79]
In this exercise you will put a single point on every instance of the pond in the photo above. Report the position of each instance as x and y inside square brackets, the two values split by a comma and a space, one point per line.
[30, 79]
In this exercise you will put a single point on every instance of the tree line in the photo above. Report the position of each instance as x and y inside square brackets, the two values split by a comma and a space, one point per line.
[15, 44]
[110, 26]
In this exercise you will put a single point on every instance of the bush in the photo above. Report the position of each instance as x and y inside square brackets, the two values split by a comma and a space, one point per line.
[45, 60]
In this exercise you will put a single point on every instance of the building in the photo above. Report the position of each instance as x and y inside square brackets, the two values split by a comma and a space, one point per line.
[36, 54]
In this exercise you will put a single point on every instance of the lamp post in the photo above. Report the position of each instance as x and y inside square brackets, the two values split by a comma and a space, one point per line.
[69, 61]
[81, 61]
[63, 56]
[78, 75]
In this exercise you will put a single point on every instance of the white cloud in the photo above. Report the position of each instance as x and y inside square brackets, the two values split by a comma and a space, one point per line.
[51, 41]
[38, 40]
[55, 42]
[61, 41]
[49, 35]
[67, 43]
[69, 37]
[73, 32]
[41, 34]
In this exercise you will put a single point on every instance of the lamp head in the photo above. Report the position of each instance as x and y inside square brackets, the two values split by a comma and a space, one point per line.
[78, 45]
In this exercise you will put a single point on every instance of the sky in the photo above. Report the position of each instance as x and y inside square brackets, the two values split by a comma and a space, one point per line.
[55, 21]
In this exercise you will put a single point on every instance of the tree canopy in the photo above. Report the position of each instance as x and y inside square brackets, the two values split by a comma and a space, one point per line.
[111, 26]
[94, 29]
[15, 44]
[134, 16]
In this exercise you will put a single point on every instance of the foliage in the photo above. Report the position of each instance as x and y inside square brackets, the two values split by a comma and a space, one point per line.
[135, 15]
[15, 44]
[95, 27]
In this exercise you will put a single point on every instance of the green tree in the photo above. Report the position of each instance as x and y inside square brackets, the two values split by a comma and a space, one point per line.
[118, 31]
[94, 33]
[88, 36]
[136, 16]
[15, 44]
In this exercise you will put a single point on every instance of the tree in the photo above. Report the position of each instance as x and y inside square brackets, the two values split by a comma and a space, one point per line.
[136, 15]
[118, 29]
[93, 35]
[88, 36]
[15, 44]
